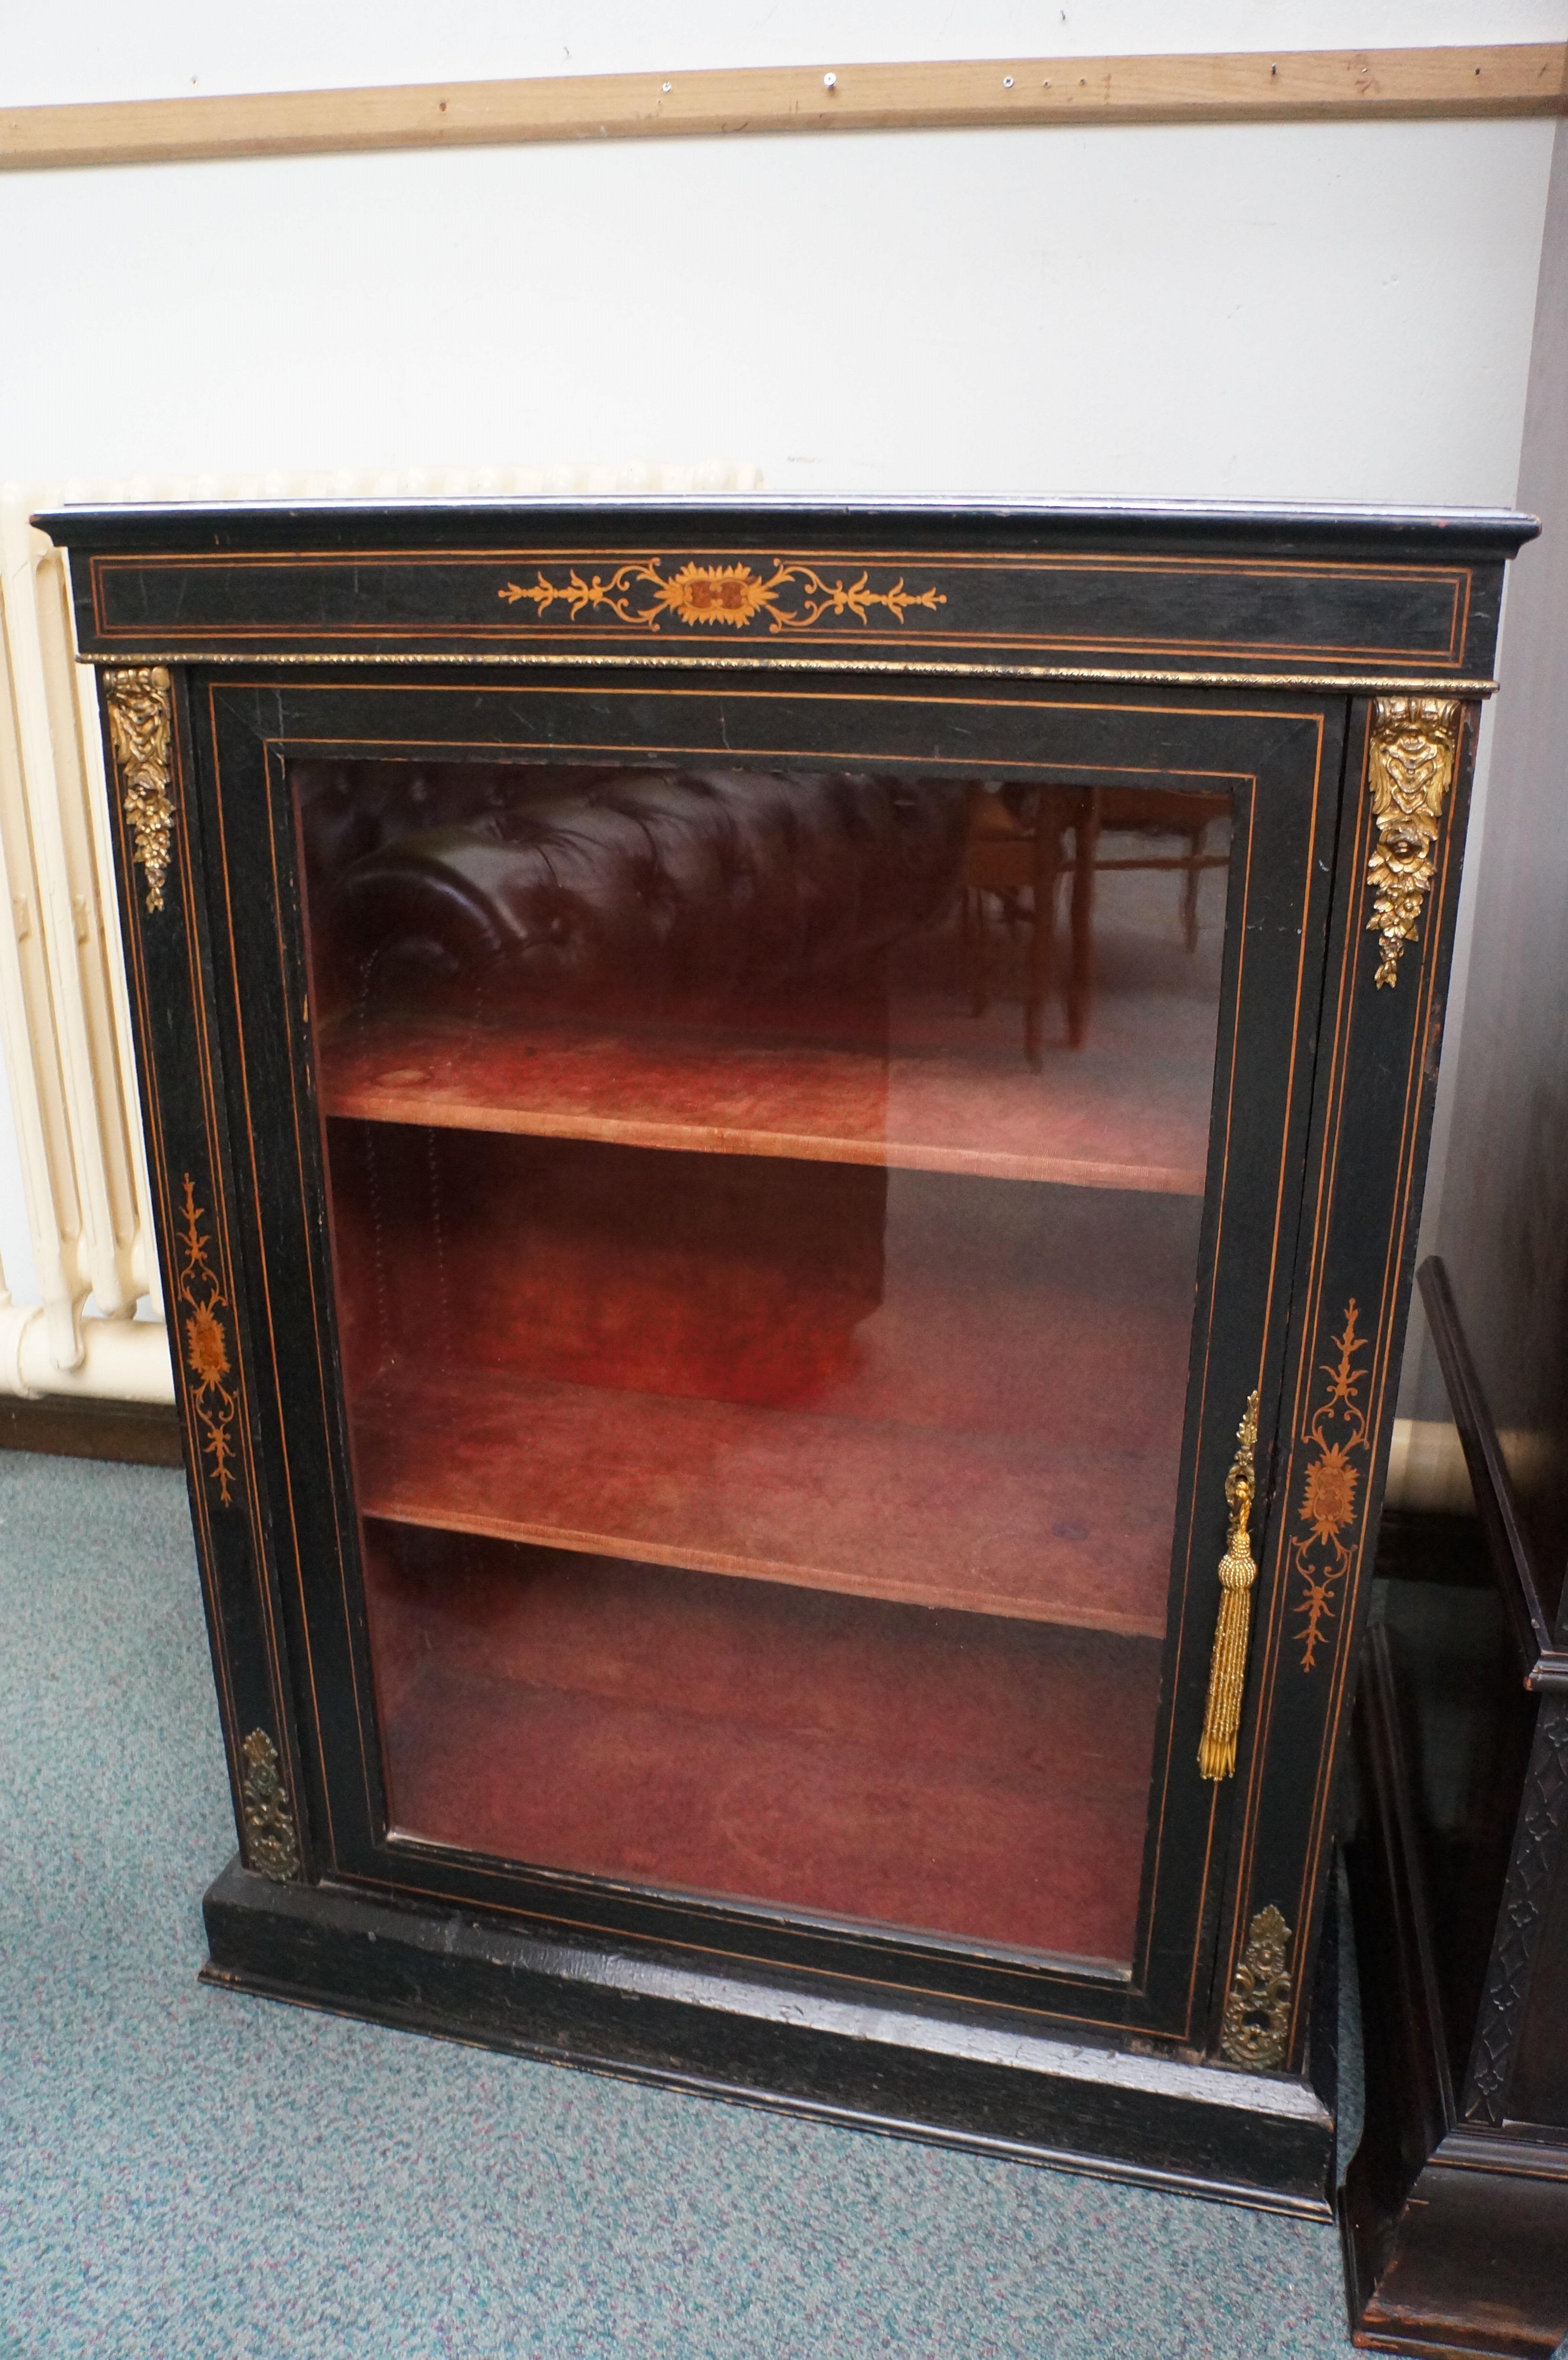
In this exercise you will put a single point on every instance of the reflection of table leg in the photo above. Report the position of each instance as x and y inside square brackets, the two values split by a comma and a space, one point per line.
[972, 922]
[975, 931]
[1016, 864]
[1013, 859]
[1042, 928]
[1081, 975]
[1193, 868]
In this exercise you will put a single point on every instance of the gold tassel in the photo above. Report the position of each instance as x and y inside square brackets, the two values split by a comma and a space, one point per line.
[1227, 1665]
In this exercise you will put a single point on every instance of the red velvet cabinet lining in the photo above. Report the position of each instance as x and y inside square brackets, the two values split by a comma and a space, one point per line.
[1131, 1113]
[810, 1292]
[951, 1773]
[902, 1385]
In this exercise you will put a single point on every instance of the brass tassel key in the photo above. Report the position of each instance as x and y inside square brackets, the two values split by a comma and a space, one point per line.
[1227, 1665]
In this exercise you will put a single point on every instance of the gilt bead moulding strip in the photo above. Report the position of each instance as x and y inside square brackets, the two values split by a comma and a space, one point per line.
[1109, 675]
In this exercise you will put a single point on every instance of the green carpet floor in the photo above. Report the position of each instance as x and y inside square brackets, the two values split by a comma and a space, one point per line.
[185, 2173]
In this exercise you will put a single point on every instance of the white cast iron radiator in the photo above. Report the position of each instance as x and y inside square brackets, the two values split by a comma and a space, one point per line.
[63, 1017]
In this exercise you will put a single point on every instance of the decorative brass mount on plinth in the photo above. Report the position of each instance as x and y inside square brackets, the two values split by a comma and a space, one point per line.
[271, 1846]
[1415, 742]
[140, 732]
[1228, 1664]
[1257, 2012]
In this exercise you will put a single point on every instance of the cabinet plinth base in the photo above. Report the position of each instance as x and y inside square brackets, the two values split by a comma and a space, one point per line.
[998, 2087]
[1470, 2261]
[1455, 2234]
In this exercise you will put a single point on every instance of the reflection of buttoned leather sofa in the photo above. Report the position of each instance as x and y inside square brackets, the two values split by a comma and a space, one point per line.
[476, 884]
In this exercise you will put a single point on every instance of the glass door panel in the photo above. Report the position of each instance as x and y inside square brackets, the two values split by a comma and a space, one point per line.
[764, 1215]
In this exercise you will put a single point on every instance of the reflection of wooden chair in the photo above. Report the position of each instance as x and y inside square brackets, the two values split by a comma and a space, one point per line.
[1014, 860]
[1162, 812]
[1015, 853]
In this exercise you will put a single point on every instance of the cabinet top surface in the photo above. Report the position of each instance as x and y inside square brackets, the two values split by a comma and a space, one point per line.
[1023, 520]
[1366, 598]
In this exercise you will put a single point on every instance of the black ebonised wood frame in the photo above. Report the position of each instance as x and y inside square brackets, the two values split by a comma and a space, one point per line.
[1201, 645]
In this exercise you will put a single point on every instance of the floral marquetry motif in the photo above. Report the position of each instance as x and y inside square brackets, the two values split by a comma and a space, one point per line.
[206, 1343]
[793, 597]
[1329, 1507]
[140, 732]
[1329, 1501]
[1415, 741]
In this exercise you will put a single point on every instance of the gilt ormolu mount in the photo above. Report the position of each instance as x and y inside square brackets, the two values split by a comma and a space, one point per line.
[742, 1096]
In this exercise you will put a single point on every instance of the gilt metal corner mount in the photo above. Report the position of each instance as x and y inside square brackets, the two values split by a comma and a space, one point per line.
[141, 714]
[1410, 762]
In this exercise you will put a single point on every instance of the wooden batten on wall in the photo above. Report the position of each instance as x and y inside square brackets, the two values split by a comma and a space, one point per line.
[1313, 85]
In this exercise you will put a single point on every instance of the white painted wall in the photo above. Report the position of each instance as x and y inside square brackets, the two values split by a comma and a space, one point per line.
[1501, 1218]
[1228, 309]
[1240, 309]
[1333, 311]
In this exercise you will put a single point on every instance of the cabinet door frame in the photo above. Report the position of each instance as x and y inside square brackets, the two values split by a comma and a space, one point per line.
[1283, 756]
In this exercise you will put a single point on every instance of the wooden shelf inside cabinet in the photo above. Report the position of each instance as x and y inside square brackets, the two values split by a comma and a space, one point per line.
[999, 1524]
[961, 1098]
[650, 1722]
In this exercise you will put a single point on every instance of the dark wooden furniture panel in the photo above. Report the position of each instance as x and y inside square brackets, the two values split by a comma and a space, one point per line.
[1455, 2207]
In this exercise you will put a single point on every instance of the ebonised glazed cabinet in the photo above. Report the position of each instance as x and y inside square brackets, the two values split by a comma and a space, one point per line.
[786, 1140]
